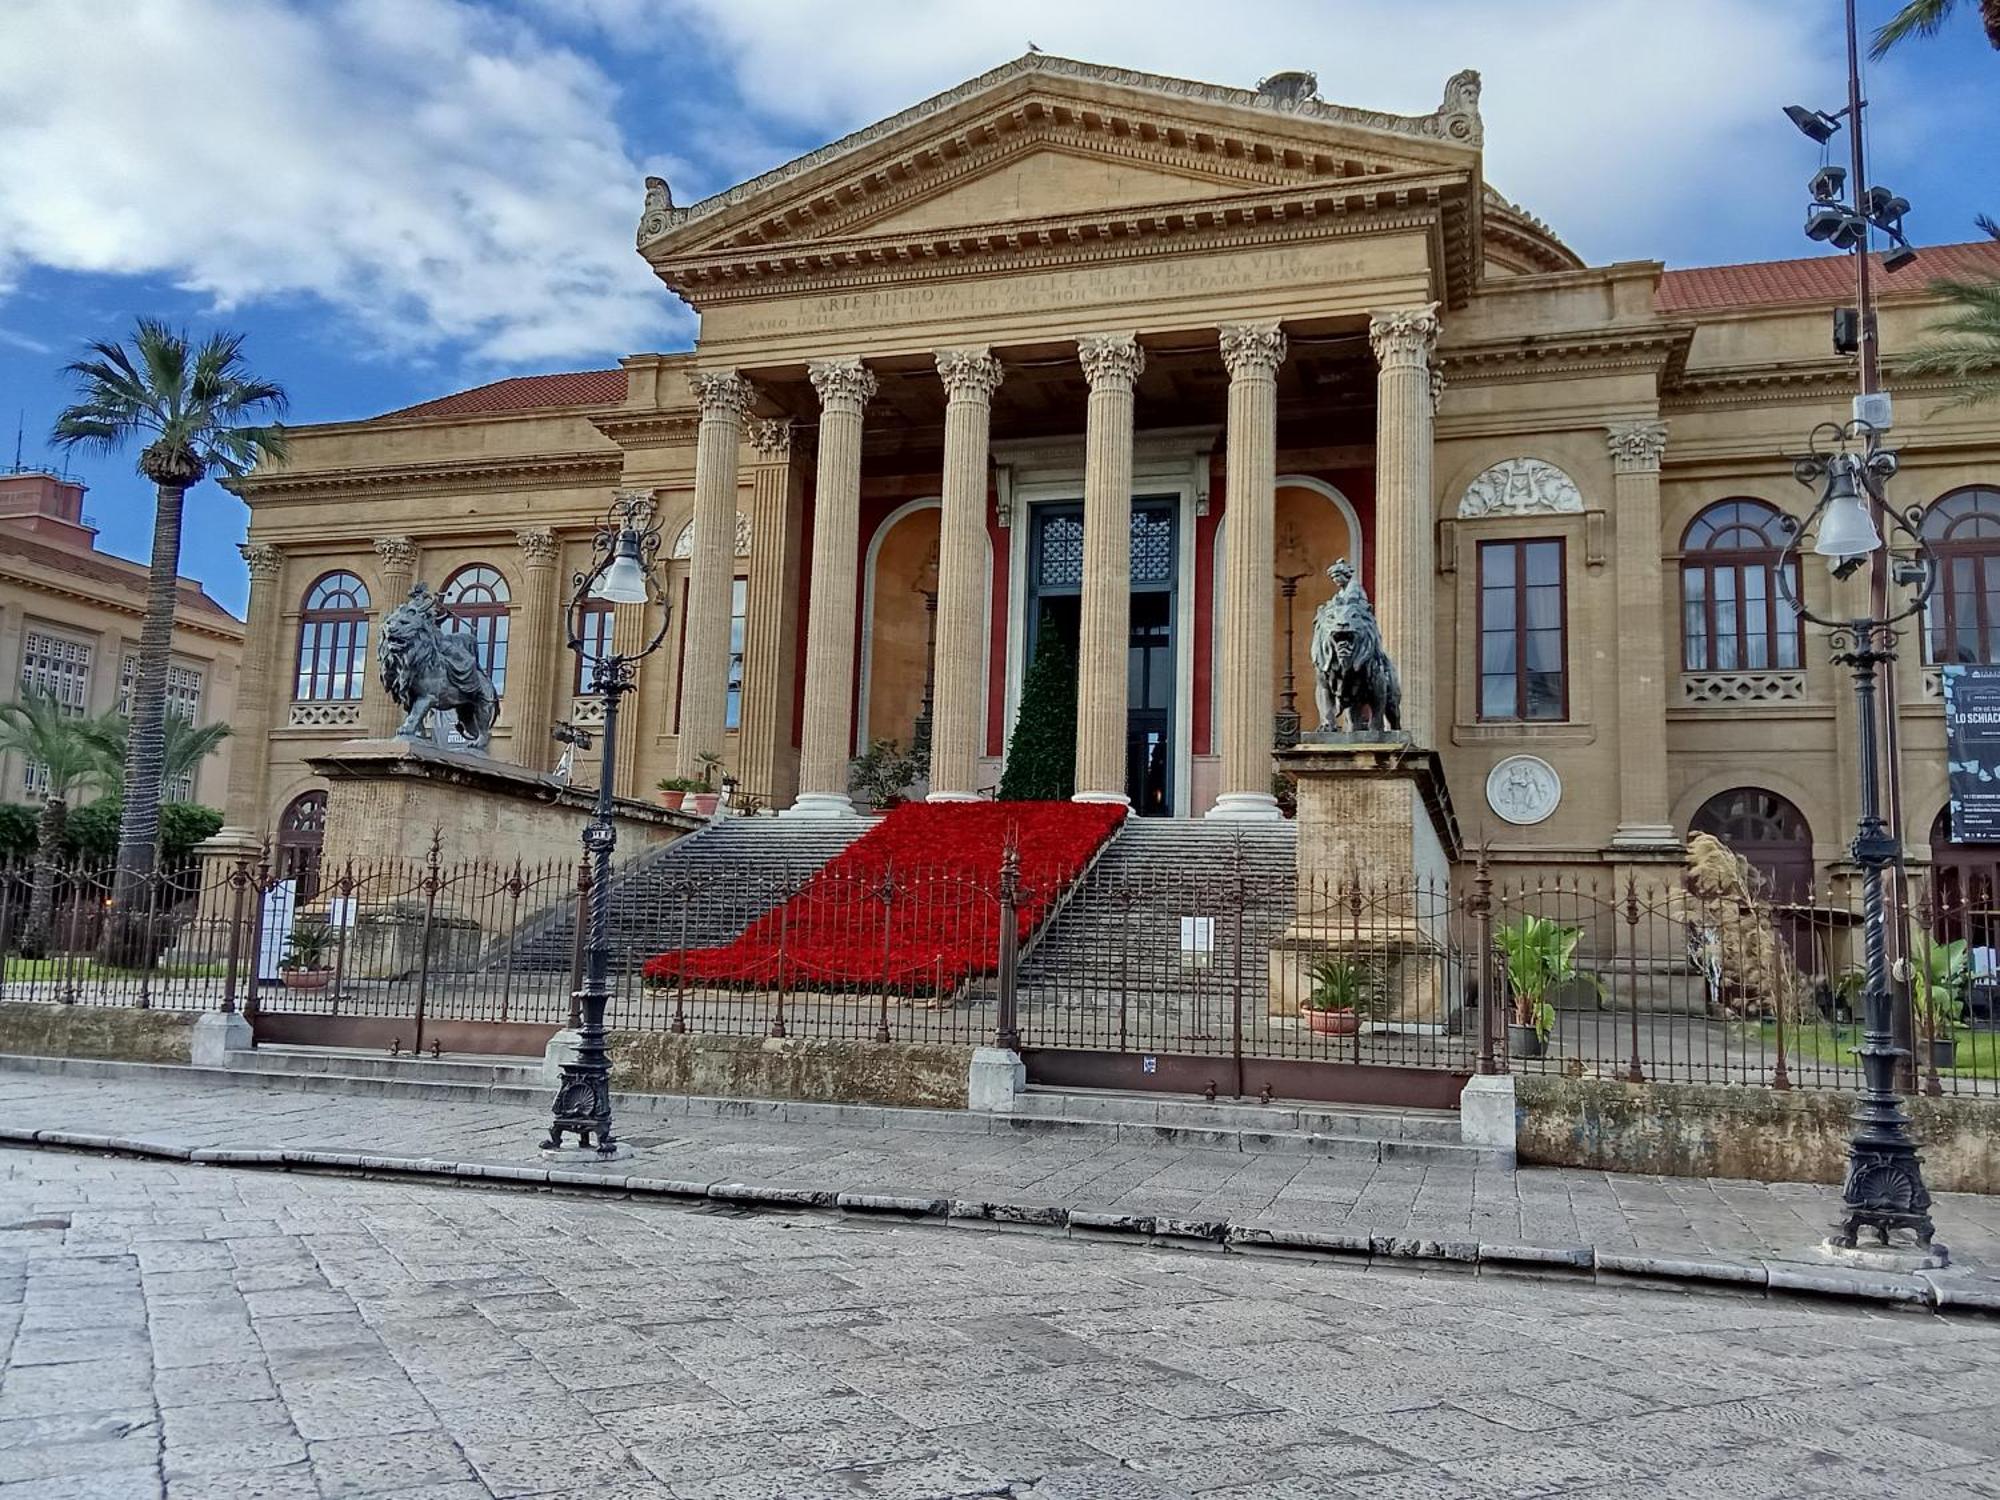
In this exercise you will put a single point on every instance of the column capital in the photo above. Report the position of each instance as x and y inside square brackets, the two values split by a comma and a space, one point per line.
[1404, 336]
[771, 438]
[1637, 447]
[538, 546]
[1111, 359]
[722, 395]
[845, 382]
[263, 559]
[969, 374]
[396, 551]
[1252, 350]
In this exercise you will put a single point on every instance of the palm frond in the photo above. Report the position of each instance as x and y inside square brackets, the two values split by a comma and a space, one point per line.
[1917, 18]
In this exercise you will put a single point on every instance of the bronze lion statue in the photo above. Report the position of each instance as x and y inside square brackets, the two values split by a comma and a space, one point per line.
[428, 670]
[1352, 675]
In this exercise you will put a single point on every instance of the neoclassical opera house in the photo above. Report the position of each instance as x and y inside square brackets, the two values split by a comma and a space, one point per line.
[1135, 359]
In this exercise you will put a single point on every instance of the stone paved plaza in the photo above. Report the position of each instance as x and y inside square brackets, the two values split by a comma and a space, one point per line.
[221, 1334]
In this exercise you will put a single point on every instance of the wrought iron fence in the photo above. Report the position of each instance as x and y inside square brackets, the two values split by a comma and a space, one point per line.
[1536, 972]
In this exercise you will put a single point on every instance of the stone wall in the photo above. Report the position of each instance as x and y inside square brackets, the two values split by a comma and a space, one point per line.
[907, 1074]
[1721, 1130]
[113, 1032]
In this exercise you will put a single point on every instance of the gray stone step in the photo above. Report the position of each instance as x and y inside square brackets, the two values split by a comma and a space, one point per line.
[354, 1062]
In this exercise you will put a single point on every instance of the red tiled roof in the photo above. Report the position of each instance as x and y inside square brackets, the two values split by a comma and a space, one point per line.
[1816, 278]
[524, 393]
[52, 561]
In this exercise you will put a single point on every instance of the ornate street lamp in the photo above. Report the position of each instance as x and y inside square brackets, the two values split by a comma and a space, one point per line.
[1885, 1183]
[622, 575]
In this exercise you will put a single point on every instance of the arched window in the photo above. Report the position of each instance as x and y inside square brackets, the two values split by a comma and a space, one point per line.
[1963, 622]
[1768, 832]
[333, 639]
[1733, 614]
[301, 831]
[477, 598]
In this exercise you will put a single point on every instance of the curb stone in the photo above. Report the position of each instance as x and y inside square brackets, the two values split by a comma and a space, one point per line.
[1922, 1290]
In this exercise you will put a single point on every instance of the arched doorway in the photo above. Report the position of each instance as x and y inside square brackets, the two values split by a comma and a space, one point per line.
[1768, 832]
[301, 832]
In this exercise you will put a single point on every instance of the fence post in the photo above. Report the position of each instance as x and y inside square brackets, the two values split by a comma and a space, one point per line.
[1006, 1018]
[887, 894]
[433, 883]
[577, 936]
[261, 886]
[239, 885]
[1236, 961]
[344, 919]
[1635, 1071]
[1482, 936]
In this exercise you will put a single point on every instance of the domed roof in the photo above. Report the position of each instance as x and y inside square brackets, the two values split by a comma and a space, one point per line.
[1516, 243]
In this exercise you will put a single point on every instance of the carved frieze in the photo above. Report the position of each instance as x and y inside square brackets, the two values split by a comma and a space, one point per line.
[1520, 487]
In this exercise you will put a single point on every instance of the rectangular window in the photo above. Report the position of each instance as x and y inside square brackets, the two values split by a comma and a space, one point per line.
[1523, 644]
[739, 604]
[183, 688]
[597, 619]
[60, 668]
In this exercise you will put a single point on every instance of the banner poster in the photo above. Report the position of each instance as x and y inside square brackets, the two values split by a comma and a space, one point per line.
[1972, 751]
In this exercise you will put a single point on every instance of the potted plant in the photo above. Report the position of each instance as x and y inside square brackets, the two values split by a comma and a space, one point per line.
[673, 791]
[1540, 956]
[303, 966]
[702, 789]
[1937, 995]
[1343, 991]
[883, 773]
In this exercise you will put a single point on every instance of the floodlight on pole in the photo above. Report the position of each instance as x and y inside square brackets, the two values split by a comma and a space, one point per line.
[1816, 123]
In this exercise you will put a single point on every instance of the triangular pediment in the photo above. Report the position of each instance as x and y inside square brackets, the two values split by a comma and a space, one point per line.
[1046, 137]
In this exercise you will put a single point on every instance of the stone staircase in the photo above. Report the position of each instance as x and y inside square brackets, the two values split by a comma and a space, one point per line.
[1124, 920]
[698, 891]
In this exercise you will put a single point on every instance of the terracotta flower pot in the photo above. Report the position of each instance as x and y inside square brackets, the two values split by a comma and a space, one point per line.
[305, 979]
[1331, 1022]
[704, 803]
[672, 801]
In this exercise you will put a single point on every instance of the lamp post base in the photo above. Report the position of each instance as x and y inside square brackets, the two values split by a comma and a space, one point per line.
[1885, 1192]
[583, 1109]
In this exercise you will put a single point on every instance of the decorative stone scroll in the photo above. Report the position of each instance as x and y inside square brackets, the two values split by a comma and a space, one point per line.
[1520, 487]
[684, 543]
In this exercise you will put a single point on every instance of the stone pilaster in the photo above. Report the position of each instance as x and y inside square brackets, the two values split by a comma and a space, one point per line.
[262, 688]
[1252, 354]
[970, 376]
[534, 651]
[395, 571]
[1644, 817]
[1112, 363]
[767, 766]
[845, 387]
[1405, 550]
[724, 399]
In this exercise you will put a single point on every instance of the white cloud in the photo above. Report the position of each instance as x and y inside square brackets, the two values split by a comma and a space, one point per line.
[440, 173]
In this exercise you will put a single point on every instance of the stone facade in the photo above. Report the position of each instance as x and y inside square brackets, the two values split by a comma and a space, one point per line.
[1137, 358]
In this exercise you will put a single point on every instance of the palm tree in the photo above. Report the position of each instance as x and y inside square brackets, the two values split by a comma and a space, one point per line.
[1927, 18]
[1964, 344]
[66, 748]
[197, 409]
[183, 747]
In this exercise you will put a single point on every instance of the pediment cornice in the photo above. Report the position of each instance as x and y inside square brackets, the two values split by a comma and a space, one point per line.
[543, 471]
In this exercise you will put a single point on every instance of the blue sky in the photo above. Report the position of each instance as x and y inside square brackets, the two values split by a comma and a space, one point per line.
[398, 198]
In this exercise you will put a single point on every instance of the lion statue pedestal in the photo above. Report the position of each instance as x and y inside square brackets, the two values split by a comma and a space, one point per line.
[1376, 842]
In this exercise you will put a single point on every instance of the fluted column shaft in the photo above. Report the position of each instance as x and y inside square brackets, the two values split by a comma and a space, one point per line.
[1643, 815]
[1112, 364]
[845, 388]
[396, 570]
[1252, 354]
[1405, 550]
[724, 398]
[765, 765]
[534, 661]
[262, 684]
[970, 378]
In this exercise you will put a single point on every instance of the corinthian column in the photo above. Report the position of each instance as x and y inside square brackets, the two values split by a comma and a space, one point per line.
[845, 386]
[260, 687]
[1252, 354]
[396, 569]
[533, 650]
[764, 763]
[1405, 553]
[970, 376]
[1112, 363]
[724, 399]
[1643, 819]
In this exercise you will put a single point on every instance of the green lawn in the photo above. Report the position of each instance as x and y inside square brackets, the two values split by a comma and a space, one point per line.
[1978, 1051]
[77, 969]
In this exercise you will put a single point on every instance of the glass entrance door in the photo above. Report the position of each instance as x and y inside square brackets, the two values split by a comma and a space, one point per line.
[1055, 588]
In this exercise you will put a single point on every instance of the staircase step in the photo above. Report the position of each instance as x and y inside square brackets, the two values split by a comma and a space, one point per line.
[1277, 1117]
[355, 1062]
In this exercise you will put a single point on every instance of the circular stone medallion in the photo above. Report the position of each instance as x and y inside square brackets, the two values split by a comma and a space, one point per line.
[1523, 789]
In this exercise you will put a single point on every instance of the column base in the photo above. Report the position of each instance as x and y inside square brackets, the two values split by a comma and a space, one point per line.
[1116, 797]
[1246, 807]
[820, 805]
[1645, 836]
[951, 797]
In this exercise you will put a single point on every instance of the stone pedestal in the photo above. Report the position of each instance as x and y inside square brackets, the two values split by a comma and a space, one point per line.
[1376, 842]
